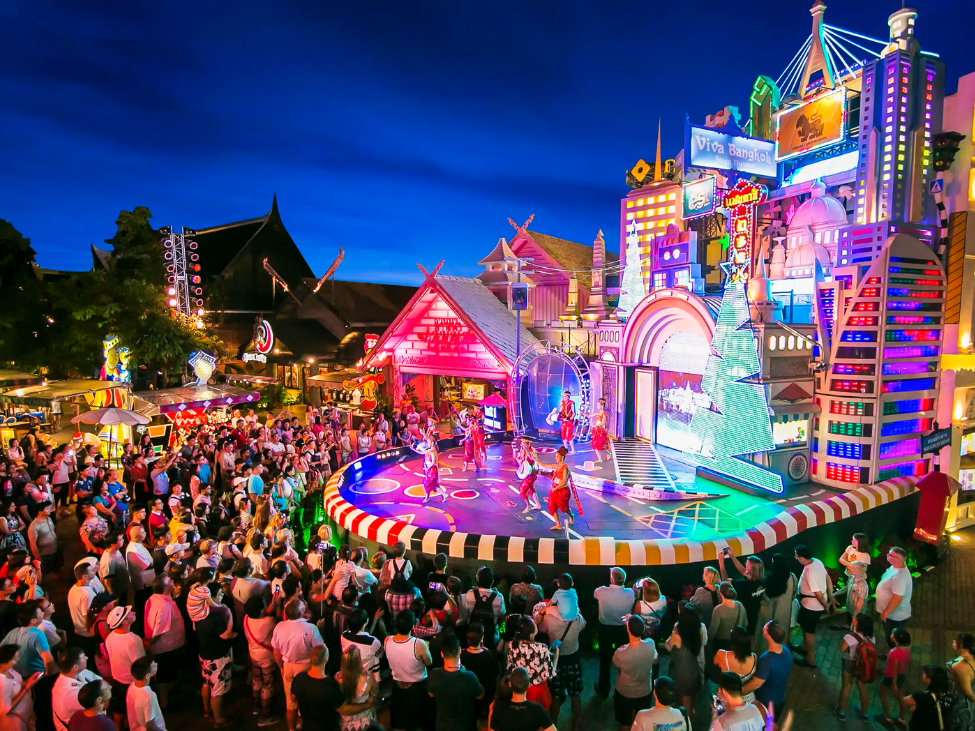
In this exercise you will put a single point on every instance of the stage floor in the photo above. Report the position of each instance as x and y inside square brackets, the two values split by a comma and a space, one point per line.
[487, 502]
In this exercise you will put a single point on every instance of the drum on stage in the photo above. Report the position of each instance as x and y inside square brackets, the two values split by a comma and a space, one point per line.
[525, 469]
[553, 418]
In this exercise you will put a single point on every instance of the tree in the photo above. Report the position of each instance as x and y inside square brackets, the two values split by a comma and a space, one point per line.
[632, 289]
[737, 422]
[128, 299]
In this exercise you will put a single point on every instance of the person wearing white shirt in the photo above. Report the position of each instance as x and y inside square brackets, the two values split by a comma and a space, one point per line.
[894, 593]
[141, 704]
[124, 648]
[615, 602]
[75, 674]
[738, 715]
[79, 600]
[370, 648]
[815, 597]
[292, 641]
[139, 563]
[662, 715]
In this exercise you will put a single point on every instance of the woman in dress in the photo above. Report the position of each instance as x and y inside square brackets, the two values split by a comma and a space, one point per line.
[431, 473]
[536, 658]
[528, 460]
[10, 528]
[780, 590]
[562, 485]
[359, 687]
[739, 659]
[16, 702]
[856, 559]
[961, 677]
[600, 439]
[686, 646]
[472, 454]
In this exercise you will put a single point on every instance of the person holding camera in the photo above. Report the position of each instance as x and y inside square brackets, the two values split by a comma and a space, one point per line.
[729, 710]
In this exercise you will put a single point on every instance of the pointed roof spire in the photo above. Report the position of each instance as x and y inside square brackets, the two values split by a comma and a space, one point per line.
[817, 59]
[656, 168]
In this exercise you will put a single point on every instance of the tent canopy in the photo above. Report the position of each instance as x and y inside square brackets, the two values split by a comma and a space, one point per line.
[43, 395]
[174, 400]
[10, 378]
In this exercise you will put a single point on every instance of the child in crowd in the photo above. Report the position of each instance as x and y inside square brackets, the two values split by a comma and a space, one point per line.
[566, 598]
[893, 681]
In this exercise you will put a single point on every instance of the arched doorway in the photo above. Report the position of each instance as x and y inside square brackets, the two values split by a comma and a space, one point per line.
[666, 343]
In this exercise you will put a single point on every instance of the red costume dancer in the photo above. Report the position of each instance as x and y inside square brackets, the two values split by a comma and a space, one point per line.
[479, 433]
[600, 439]
[431, 474]
[472, 454]
[567, 421]
[562, 486]
[527, 461]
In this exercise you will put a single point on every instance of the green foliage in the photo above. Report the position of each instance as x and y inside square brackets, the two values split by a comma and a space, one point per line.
[127, 299]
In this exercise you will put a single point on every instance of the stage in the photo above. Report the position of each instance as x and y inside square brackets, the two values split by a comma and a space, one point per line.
[379, 498]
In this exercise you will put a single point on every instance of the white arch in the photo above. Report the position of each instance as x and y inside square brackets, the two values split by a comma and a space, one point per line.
[658, 316]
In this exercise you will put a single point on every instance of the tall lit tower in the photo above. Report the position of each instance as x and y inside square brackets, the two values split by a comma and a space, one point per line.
[901, 105]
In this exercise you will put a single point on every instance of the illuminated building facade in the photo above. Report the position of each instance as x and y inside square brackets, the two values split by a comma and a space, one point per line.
[902, 102]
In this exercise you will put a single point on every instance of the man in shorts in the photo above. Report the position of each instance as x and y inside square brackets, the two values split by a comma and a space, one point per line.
[815, 597]
[215, 634]
[568, 677]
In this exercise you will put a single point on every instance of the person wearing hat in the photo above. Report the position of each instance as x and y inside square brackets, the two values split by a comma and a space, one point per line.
[123, 647]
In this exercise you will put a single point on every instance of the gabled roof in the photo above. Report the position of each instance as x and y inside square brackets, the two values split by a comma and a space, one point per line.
[100, 258]
[568, 255]
[473, 303]
[220, 244]
[366, 304]
[488, 314]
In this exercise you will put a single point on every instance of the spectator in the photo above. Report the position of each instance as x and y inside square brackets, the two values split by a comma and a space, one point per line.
[781, 586]
[292, 642]
[409, 659]
[774, 667]
[370, 648]
[725, 617]
[165, 633]
[615, 602]
[485, 665]
[750, 588]
[686, 646]
[856, 559]
[893, 594]
[35, 654]
[75, 674]
[94, 699]
[485, 604]
[565, 598]
[43, 538]
[564, 636]
[259, 622]
[663, 715]
[214, 635]
[360, 691]
[635, 661]
[859, 665]
[124, 648]
[455, 690]
[396, 566]
[138, 560]
[437, 579]
[651, 605]
[317, 695]
[518, 713]
[895, 672]
[961, 679]
[931, 707]
[528, 589]
[80, 597]
[112, 569]
[16, 702]
[536, 658]
[815, 597]
[364, 578]
[739, 659]
[731, 712]
[706, 597]
[141, 704]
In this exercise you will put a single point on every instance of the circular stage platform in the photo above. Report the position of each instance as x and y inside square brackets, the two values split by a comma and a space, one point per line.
[379, 498]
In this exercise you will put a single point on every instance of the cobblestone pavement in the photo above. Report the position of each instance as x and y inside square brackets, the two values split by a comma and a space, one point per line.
[943, 604]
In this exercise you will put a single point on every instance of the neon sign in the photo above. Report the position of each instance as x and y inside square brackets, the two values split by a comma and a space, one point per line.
[817, 123]
[741, 201]
[263, 336]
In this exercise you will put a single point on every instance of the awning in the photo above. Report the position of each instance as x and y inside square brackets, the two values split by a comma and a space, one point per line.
[332, 377]
[255, 380]
[175, 400]
[803, 410]
[43, 395]
[10, 378]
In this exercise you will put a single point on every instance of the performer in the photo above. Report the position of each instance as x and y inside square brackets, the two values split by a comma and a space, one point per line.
[472, 455]
[479, 433]
[528, 472]
[567, 421]
[431, 432]
[562, 485]
[431, 473]
[600, 440]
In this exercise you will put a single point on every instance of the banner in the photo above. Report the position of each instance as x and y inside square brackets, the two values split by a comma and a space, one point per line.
[809, 126]
[716, 150]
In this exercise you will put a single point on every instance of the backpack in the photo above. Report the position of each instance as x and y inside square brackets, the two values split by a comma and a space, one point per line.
[864, 660]
[483, 611]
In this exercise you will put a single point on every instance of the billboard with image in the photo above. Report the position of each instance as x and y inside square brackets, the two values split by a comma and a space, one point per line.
[817, 123]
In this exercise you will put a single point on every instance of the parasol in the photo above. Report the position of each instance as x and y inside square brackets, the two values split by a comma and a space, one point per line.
[111, 416]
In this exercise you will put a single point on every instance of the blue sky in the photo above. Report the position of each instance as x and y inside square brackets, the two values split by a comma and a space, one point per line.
[405, 132]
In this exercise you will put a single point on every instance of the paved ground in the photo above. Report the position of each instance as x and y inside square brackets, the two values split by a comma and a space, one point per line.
[944, 603]
[490, 498]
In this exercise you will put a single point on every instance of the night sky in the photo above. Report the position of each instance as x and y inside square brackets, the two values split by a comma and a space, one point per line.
[404, 135]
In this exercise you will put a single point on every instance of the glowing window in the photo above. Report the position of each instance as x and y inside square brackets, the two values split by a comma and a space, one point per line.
[771, 342]
[781, 342]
